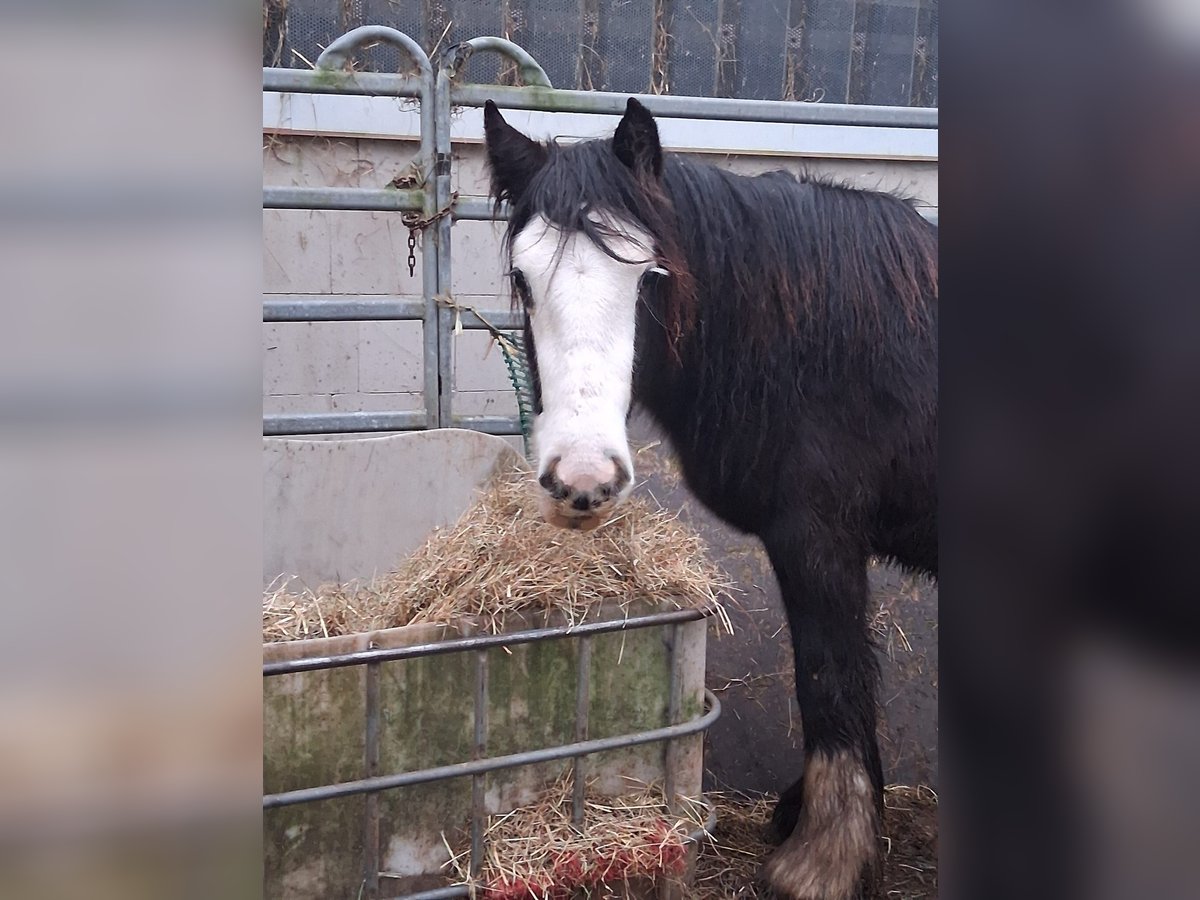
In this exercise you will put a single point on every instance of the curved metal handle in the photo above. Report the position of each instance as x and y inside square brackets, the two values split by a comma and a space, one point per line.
[337, 54]
[532, 73]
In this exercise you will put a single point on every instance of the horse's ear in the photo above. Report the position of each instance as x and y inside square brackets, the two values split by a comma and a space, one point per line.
[512, 157]
[636, 140]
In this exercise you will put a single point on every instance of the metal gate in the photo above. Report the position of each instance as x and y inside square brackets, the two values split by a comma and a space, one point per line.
[430, 209]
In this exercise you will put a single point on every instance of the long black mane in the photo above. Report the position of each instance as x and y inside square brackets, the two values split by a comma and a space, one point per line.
[786, 292]
[845, 266]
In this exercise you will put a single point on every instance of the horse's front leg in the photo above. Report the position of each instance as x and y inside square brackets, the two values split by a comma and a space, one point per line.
[831, 815]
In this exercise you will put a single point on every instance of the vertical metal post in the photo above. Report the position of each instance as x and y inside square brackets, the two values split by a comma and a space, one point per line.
[442, 182]
[370, 770]
[478, 811]
[431, 253]
[668, 889]
[583, 696]
[674, 705]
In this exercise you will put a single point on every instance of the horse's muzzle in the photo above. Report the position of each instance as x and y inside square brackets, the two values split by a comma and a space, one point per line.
[582, 495]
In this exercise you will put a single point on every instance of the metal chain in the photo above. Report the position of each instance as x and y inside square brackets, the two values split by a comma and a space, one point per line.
[412, 251]
[414, 222]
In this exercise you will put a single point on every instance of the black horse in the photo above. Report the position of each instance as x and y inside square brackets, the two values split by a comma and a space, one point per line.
[783, 332]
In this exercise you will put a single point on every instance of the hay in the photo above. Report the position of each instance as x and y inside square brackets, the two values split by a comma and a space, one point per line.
[535, 852]
[501, 559]
[729, 863]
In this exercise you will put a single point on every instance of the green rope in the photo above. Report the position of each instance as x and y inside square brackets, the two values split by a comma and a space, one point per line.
[522, 381]
[513, 347]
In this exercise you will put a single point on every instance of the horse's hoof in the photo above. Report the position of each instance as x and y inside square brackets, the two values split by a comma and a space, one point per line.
[794, 874]
[785, 815]
[832, 851]
[782, 823]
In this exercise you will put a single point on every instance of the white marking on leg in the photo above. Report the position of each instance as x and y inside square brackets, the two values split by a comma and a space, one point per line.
[834, 843]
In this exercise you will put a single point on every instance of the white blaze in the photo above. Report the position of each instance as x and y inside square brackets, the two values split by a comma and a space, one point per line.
[583, 315]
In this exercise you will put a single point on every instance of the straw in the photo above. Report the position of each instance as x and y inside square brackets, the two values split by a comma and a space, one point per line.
[501, 559]
[730, 863]
[536, 852]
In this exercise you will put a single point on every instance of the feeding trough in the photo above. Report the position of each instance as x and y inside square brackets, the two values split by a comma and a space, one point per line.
[435, 696]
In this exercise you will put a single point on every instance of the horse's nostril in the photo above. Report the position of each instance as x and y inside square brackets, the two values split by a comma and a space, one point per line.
[549, 479]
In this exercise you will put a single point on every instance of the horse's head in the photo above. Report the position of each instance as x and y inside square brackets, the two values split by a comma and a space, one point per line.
[581, 249]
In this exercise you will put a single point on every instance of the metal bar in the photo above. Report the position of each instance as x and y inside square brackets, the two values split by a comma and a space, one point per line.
[372, 308]
[676, 107]
[498, 318]
[671, 795]
[531, 71]
[500, 425]
[583, 696]
[326, 308]
[364, 84]
[367, 199]
[479, 209]
[371, 770]
[441, 182]
[479, 642]
[480, 752]
[341, 423]
[337, 54]
[710, 822]
[457, 890]
[674, 703]
[496, 763]
[431, 254]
